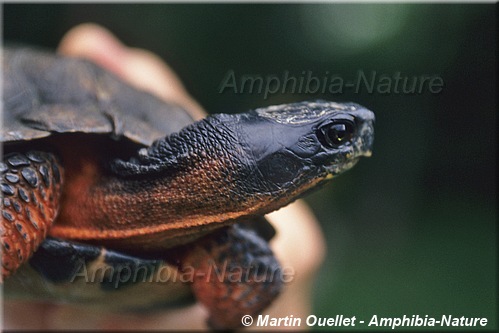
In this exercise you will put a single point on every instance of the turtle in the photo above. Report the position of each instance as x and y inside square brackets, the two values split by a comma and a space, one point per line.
[97, 174]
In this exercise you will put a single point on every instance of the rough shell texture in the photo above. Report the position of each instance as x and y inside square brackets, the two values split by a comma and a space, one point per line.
[46, 94]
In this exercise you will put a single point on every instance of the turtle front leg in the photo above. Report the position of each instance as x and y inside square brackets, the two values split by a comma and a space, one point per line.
[234, 274]
[31, 188]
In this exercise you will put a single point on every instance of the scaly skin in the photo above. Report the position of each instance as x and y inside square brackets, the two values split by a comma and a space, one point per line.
[31, 187]
[234, 274]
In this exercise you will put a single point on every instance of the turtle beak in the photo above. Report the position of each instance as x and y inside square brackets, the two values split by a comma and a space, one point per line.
[335, 169]
[365, 120]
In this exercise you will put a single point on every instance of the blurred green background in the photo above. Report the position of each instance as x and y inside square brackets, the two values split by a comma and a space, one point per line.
[410, 230]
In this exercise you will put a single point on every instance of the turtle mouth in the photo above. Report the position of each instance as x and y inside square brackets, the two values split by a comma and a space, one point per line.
[334, 169]
[348, 159]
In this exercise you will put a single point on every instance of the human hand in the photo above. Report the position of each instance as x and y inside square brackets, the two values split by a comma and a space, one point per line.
[294, 224]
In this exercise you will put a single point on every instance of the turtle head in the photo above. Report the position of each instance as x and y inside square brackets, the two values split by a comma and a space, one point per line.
[297, 146]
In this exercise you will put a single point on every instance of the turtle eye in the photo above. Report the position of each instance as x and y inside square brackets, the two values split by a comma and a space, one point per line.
[337, 133]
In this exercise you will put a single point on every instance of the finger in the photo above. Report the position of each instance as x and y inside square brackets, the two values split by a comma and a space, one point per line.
[139, 67]
[296, 224]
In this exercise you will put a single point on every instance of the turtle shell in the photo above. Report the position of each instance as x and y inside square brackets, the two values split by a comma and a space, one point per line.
[46, 94]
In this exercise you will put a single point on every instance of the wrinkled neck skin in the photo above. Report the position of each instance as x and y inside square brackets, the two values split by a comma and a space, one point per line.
[189, 183]
[204, 170]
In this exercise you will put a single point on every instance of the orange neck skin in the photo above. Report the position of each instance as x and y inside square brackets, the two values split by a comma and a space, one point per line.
[98, 207]
[170, 207]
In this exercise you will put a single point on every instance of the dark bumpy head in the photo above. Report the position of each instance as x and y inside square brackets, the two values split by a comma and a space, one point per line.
[257, 161]
[307, 141]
